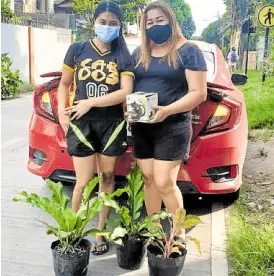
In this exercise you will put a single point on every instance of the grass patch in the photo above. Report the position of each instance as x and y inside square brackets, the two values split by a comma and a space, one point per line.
[26, 88]
[250, 242]
[261, 134]
[259, 99]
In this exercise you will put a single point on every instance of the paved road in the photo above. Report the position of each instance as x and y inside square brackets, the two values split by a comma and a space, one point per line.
[25, 246]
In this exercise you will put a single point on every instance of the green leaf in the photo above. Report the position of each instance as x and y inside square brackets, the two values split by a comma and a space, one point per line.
[70, 218]
[119, 192]
[90, 188]
[136, 215]
[118, 232]
[93, 232]
[139, 201]
[114, 135]
[58, 195]
[80, 136]
[64, 234]
[124, 214]
[113, 222]
[119, 242]
[197, 243]
[191, 221]
[180, 218]
[51, 230]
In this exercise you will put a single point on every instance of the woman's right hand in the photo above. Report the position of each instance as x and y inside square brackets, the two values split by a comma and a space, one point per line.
[64, 120]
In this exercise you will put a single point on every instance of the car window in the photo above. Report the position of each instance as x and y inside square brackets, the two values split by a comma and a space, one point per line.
[210, 62]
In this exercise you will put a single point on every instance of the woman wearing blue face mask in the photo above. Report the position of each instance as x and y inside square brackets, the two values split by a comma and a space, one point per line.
[101, 71]
[174, 68]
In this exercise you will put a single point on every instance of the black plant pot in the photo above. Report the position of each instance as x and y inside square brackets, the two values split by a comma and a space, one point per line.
[71, 264]
[158, 266]
[131, 254]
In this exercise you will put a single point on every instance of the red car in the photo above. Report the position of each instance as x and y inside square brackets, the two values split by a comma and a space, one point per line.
[219, 139]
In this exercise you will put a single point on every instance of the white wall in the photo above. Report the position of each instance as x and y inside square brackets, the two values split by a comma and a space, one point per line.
[48, 54]
[14, 41]
[50, 47]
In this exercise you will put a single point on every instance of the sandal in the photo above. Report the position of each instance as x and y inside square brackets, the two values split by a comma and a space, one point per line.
[99, 248]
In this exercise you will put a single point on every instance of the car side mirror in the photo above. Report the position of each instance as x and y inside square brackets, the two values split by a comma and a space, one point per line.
[239, 79]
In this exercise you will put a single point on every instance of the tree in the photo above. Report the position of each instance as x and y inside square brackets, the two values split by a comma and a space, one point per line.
[210, 34]
[184, 16]
[6, 12]
[131, 11]
[86, 9]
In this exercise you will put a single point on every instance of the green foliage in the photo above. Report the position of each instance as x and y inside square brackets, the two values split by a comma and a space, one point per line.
[86, 8]
[10, 79]
[6, 11]
[71, 227]
[132, 9]
[210, 34]
[250, 242]
[259, 99]
[129, 221]
[171, 243]
[183, 16]
[27, 88]
[7, 14]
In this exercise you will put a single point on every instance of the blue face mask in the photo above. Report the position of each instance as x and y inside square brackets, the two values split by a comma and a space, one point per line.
[107, 33]
[159, 33]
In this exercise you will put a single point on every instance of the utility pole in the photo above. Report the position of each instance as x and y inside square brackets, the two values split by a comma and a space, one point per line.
[247, 47]
[265, 49]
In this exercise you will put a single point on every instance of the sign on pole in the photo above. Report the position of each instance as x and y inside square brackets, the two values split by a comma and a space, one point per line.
[266, 18]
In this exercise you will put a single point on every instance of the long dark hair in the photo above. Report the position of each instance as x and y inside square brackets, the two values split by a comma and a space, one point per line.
[119, 47]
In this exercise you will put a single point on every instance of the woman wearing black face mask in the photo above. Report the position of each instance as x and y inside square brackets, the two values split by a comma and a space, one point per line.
[175, 69]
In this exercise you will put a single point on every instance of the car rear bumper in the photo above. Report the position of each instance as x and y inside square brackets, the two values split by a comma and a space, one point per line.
[222, 149]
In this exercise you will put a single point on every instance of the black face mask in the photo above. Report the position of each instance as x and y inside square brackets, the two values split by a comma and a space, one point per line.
[159, 33]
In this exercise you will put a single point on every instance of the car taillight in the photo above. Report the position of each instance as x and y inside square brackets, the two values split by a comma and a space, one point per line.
[226, 116]
[43, 106]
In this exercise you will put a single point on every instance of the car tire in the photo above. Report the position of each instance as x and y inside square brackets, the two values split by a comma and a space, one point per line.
[232, 197]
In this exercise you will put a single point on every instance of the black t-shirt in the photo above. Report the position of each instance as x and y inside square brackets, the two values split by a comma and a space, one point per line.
[96, 74]
[168, 82]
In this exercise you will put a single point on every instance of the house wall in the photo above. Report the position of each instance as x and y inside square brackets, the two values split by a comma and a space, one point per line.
[14, 41]
[49, 49]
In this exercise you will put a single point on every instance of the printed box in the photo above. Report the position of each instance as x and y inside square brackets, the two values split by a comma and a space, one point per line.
[140, 106]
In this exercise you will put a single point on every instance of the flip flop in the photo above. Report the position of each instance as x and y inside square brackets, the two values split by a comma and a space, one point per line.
[97, 245]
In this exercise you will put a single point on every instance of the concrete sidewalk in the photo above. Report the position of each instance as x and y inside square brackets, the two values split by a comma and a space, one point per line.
[26, 247]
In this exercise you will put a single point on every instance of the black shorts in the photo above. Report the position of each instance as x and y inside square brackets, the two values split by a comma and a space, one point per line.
[167, 141]
[97, 134]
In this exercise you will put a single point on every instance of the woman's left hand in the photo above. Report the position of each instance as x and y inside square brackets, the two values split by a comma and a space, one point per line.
[79, 109]
[160, 115]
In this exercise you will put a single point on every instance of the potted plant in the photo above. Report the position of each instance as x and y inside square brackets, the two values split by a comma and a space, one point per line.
[131, 231]
[71, 251]
[167, 252]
